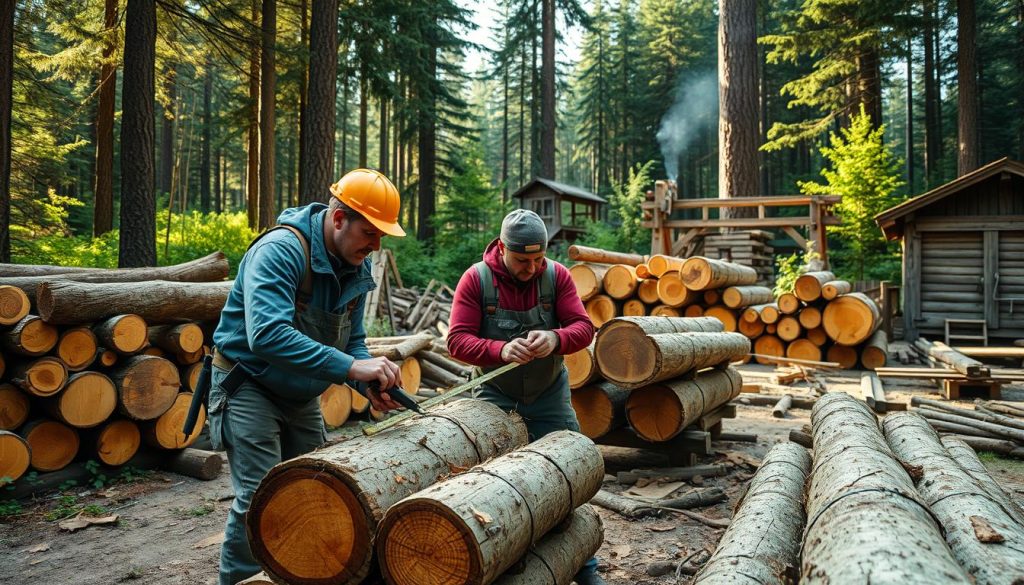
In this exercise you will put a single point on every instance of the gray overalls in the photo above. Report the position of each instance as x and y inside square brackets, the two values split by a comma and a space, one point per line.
[538, 390]
[260, 429]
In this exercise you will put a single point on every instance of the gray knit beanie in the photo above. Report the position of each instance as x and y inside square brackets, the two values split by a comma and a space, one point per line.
[523, 231]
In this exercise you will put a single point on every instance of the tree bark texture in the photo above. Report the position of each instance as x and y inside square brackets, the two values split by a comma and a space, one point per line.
[319, 123]
[863, 511]
[736, 297]
[851, 319]
[762, 542]
[66, 303]
[317, 515]
[268, 93]
[738, 132]
[992, 428]
[137, 245]
[957, 499]
[658, 357]
[586, 254]
[600, 408]
[968, 143]
[547, 75]
[700, 273]
[557, 557]
[964, 454]
[497, 511]
[661, 411]
[103, 184]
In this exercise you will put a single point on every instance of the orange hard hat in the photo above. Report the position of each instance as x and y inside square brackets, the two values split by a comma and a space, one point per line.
[373, 196]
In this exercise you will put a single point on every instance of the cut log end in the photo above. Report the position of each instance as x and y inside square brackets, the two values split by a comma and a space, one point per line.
[843, 355]
[147, 386]
[43, 377]
[425, 546]
[647, 291]
[14, 305]
[336, 404]
[14, 407]
[804, 349]
[16, 457]
[596, 411]
[601, 309]
[32, 337]
[581, 366]
[851, 319]
[620, 281]
[53, 444]
[165, 432]
[88, 399]
[77, 348]
[655, 413]
[118, 441]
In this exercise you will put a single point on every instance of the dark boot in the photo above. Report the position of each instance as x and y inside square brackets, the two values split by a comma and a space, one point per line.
[588, 576]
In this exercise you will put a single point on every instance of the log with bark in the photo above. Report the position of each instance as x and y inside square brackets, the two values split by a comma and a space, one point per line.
[31, 336]
[88, 399]
[1000, 407]
[788, 304]
[695, 499]
[14, 407]
[458, 368]
[673, 293]
[864, 514]
[788, 328]
[336, 404]
[147, 386]
[817, 336]
[809, 317]
[809, 285]
[634, 308]
[634, 508]
[69, 303]
[661, 411]
[992, 428]
[165, 432]
[126, 334]
[557, 557]
[42, 377]
[600, 408]
[736, 297]
[14, 304]
[750, 329]
[632, 361]
[770, 315]
[939, 351]
[403, 349]
[114, 442]
[989, 444]
[487, 518]
[850, 319]
[659, 264]
[701, 273]
[766, 347]
[875, 351]
[16, 457]
[801, 438]
[647, 291]
[762, 542]
[77, 348]
[834, 288]
[601, 309]
[588, 279]
[945, 428]
[844, 355]
[182, 338]
[803, 402]
[963, 452]
[597, 255]
[666, 311]
[782, 406]
[316, 516]
[443, 377]
[803, 349]
[989, 417]
[53, 444]
[960, 503]
[620, 281]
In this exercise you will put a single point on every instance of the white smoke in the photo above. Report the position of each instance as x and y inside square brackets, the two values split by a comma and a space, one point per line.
[695, 107]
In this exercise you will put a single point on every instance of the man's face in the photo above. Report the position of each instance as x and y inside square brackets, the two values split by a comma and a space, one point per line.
[521, 266]
[354, 239]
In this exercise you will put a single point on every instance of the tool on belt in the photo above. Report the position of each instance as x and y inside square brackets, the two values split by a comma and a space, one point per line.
[397, 393]
[199, 395]
[426, 404]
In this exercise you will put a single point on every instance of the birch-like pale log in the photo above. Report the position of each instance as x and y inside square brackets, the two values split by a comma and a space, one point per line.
[735, 297]
[157, 301]
[966, 457]
[558, 556]
[661, 411]
[600, 408]
[587, 254]
[662, 356]
[701, 273]
[588, 279]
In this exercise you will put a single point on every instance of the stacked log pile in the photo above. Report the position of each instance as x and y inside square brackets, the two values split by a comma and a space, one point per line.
[406, 310]
[747, 247]
[982, 428]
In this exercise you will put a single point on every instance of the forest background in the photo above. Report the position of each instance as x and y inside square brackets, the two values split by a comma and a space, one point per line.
[153, 132]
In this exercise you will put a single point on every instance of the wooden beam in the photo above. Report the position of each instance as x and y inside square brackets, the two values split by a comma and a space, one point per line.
[791, 232]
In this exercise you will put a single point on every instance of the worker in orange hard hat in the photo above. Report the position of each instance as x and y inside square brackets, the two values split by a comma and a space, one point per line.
[292, 325]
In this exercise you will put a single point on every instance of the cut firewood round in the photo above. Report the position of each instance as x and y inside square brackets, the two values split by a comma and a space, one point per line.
[661, 411]
[582, 367]
[632, 361]
[117, 441]
[673, 293]
[183, 338]
[360, 403]
[14, 305]
[77, 348]
[14, 407]
[634, 308]
[15, 455]
[106, 357]
[770, 314]
[770, 329]
[620, 281]
[817, 336]
[724, 314]
[147, 386]
[834, 288]
[875, 351]
[851, 318]
[600, 408]
[561, 553]
[41, 377]
[411, 374]
[693, 311]
[768, 345]
[699, 273]
[712, 296]
[588, 279]
[642, 271]
[753, 313]
[53, 444]
[808, 285]
[88, 399]
[735, 297]
[336, 404]
[810, 317]
[125, 334]
[843, 355]
[659, 264]
[31, 336]
[803, 349]
[788, 328]
[666, 311]
[165, 431]
[788, 303]
[647, 291]
[752, 329]
[601, 309]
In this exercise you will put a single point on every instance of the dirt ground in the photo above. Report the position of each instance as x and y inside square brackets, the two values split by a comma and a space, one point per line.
[169, 527]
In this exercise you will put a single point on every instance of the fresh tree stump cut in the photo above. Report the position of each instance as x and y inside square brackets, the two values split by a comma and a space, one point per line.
[875, 352]
[69, 303]
[699, 273]
[751, 329]
[768, 345]
[14, 305]
[788, 304]
[147, 386]
[762, 542]
[315, 517]
[636, 361]
[125, 334]
[88, 399]
[588, 254]
[968, 461]
[14, 407]
[634, 308]
[817, 336]
[77, 348]
[724, 314]
[600, 408]
[411, 373]
[659, 264]
[336, 404]
[601, 309]
[788, 328]
[673, 293]
[647, 291]
[582, 367]
[834, 288]
[116, 442]
[471, 527]
[15, 455]
[165, 431]
[712, 296]
[803, 349]
[864, 514]
[735, 297]
[771, 314]
[53, 444]
[41, 377]
[808, 286]
[843, 355]
[360, 403]
[810, 317]
[30, 336]
[851, 318]
[403, 349]
[588, 279]
[661, 411]
[620, 281]
[183, 338]
[665, 311]
[957, 499]
[693, 311]
[561, 553]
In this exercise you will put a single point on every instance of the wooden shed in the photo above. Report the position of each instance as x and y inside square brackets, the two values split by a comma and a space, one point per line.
[963, 253]
[564, 208]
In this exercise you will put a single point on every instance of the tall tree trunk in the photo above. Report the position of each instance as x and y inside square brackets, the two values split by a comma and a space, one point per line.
[382, 156]
[522, 118]
[218, 201]
[103, 185]
[504, 134]
[252, 182]
[6, 104]
[138, 201]
[427, 149]
[317, 152]
[547, 130]
[967, 83]
[304, 87]
[535, 115]
[869, 84]
[364, 96]
[167, 123]
[910, 117]
[1020, 78]
[343, 156]
[931, 115]
[737, 91]
[268, 81]
[204, 164]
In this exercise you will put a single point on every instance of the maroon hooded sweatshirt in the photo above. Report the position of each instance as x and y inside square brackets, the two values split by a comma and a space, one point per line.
[464, 341]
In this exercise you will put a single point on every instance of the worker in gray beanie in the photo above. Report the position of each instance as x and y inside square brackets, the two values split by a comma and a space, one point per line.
[517, 305]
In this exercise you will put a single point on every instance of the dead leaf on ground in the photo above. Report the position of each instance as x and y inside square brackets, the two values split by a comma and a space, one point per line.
[621, 550]
[984, 531]
[655, 490]
[39, 548]
[210, 541]
[81, 521]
